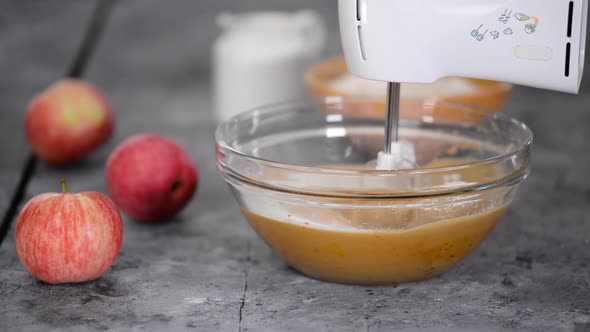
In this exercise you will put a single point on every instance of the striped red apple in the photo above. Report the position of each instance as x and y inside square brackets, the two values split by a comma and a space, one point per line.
[67, 121]
[151, 178]
[68, 238]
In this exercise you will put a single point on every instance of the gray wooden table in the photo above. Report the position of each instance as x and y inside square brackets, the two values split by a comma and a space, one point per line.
[207, 270]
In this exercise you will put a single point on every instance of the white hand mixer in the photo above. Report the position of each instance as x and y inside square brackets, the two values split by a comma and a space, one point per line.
[539, 43]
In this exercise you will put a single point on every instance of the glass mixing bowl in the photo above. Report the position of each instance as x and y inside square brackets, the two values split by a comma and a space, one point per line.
[301, 177]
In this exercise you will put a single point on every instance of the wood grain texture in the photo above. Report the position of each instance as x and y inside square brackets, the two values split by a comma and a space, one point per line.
[532, 273]
[38, 42]
[36, 46]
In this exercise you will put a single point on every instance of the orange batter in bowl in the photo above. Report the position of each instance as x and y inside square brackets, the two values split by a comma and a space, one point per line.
[368, 244]
[360, 256]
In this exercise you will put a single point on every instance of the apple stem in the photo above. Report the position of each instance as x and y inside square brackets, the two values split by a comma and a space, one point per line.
[63, 186]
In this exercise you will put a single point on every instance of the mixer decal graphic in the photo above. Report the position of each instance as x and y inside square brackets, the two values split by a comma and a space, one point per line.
[504, 18]
[530, 27]
[478, 34]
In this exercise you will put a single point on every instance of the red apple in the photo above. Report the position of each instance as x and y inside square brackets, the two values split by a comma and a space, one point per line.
[150, 177]
[67, 121]
[63, 237]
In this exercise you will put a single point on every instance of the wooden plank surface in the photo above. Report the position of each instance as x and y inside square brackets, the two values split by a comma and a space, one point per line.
[38, 40]
[207, 270]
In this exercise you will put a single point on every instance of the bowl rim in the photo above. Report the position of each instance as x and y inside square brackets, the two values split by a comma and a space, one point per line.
[223, 147]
